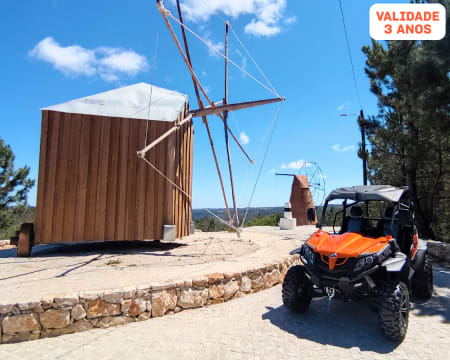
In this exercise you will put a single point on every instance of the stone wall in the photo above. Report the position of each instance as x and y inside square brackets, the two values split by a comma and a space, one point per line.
[439, 250]
[58, 315]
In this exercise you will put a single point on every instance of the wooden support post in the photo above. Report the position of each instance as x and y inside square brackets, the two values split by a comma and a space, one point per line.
[187, 59]
[141, 153]
[232, 107]
[225, 118]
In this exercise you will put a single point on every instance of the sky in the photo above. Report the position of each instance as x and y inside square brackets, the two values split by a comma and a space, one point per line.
[58, 50]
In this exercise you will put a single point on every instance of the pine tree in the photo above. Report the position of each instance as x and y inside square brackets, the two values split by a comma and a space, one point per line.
[14, 184]
[410, 136]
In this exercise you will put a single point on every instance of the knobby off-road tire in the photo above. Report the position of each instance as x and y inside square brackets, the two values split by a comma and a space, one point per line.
[296, 290]
[394, 310]
[422, 284]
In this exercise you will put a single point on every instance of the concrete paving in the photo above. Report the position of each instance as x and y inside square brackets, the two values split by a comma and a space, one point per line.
[258, 326]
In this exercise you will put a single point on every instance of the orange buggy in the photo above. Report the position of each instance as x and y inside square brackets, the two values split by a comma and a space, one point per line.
[378, 258]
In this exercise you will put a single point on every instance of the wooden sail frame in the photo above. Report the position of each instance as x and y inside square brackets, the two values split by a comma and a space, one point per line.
[213, 109]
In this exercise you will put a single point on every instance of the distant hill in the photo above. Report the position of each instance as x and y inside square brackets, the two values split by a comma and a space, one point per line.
[252, 212]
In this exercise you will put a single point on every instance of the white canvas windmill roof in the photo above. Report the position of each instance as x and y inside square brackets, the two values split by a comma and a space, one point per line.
[131, 101]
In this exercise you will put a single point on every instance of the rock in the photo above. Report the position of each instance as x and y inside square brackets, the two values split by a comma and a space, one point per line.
[215, 278]
[215, 301]
[177, 309]
[187, 283]
[238, 295]
[149, 306]
[109, 321]
[100, 307]
[133, 307]
[113, 296]
[257, 283]
[254, 273]
[178, 283]
[77, 326]
[39, 308]
[283, 272]
[163, 286]
[15, 310]
[216, 291]
[6, 309]
[271, 278]
[190, 298]
[246, 284]
[55, 319]
[66, 300]
[144, 291]
[129, 292]
[200, 282]
[90, 295]
[144, 316]
[439, 250]
[28, 305]
[78, 312]
[23, 336]
[231, 287]
[47, 302]
[235, 276]
[163, 301]
[80, 325]
[20, 323]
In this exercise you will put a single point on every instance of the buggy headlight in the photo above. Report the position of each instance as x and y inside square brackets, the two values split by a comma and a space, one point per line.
[364, 262]
[309, 255]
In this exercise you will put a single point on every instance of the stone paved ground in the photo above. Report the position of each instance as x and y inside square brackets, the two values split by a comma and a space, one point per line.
[59, 269]
[259, 327]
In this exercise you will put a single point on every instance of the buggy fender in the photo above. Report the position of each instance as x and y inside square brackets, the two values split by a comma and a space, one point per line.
[419, 260]
[396, 263]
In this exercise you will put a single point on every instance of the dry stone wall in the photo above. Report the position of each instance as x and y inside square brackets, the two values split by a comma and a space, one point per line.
[59, 315]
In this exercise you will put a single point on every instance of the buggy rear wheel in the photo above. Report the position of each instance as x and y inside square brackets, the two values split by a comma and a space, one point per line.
[296, 290]
[394, 310]
[422, 283]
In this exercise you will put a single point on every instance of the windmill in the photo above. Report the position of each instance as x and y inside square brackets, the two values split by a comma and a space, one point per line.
[308, 191]
[221, 111]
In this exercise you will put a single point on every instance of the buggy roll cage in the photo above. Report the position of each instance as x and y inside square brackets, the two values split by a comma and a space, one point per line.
[363, 194]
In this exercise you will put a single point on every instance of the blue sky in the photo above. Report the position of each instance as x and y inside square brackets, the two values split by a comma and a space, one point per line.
[59, 50]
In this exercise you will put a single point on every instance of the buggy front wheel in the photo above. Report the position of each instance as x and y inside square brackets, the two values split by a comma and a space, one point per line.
[394, 310]
[297, 290]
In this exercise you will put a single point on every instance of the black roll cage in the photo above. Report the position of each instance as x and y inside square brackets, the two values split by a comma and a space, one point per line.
[399, 205]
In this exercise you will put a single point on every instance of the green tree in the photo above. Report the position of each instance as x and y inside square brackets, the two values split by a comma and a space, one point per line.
[14, 186]
[410, 136]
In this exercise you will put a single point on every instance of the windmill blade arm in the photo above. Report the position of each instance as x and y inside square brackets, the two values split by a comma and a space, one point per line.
[232, 107]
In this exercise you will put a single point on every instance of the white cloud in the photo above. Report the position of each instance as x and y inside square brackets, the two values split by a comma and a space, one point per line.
[266, 14]
[71, 60]
[290, 20]
[74, 60]
[339, 148]
[322, 176]
[272, 171]
[216, 45]
[340, 108]
[257, 27]
[296, 164]
[118, 60]
[244, 138]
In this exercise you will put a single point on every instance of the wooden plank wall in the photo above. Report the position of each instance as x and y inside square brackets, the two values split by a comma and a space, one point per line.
[182, 204]
[92, 186]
